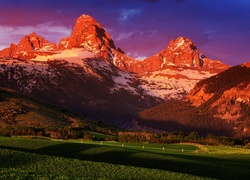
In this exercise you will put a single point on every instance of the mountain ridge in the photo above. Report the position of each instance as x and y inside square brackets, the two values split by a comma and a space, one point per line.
[87, 33]
[181, 64]
[88, 74]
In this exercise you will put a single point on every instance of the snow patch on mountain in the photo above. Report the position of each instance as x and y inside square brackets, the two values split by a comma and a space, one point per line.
[124, 81]
[179, 43]
[18, 70]
[166, 88]
[164, 62]
[195, 74]
[169, 83]
[68, 54]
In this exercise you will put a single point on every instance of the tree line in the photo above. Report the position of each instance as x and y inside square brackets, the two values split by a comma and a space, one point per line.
[179, 137]
[122, 136]
[52, 132]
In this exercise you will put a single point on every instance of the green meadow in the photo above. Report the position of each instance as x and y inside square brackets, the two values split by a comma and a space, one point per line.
[26, 158]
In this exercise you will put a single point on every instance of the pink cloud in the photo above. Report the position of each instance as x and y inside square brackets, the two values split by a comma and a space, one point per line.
[13, 34]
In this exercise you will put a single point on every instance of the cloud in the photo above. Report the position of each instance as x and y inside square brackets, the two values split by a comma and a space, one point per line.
[138, 57]
[52, 33]
[122, 36]
[126, 14]
[209, 34]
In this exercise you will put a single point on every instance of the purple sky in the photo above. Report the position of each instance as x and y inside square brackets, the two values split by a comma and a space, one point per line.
[219, 28]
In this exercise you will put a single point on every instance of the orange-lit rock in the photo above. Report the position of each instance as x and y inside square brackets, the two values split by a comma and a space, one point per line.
[27, 47]
[181, 52]
[5, 52]
[247, 64]
[89, 34]
[226, 94]
[198, 95]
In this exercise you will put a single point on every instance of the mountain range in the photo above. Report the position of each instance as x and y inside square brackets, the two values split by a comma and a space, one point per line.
[87, 74]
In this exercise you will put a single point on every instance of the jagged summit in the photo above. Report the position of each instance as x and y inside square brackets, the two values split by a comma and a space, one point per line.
[87, 33]
[180, 52]
[183, 52]
[90, 35]
[181, 42]
[26, 48]
[35, 42]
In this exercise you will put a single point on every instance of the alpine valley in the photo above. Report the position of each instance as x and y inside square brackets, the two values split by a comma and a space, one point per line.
[177, 89]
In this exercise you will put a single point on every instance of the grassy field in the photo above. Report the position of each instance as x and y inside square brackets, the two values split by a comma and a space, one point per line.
[74, 159]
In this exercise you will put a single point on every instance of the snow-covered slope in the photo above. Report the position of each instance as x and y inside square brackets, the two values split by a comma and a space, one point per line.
[172, 82]
[81, 81]
[68, 54]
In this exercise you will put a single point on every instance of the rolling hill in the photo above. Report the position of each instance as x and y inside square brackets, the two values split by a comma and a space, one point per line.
[17, 109]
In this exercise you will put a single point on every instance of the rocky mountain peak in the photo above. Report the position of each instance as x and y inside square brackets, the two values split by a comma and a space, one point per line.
[89, 34]
[35, 42]
[183, 52]
[27, 47]
[181, 43]
[180, 52]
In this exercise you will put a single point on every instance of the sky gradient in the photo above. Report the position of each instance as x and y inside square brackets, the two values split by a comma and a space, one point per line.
[219, 28]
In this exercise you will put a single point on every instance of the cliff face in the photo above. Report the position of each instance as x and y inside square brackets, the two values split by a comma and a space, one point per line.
[90, 35]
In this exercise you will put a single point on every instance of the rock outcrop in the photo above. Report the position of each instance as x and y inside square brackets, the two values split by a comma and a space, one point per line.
[90, 35]
[227, 96]
[181, 52]
[28, 47]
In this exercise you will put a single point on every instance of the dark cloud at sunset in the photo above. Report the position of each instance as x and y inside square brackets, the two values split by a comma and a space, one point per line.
[220, 29]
